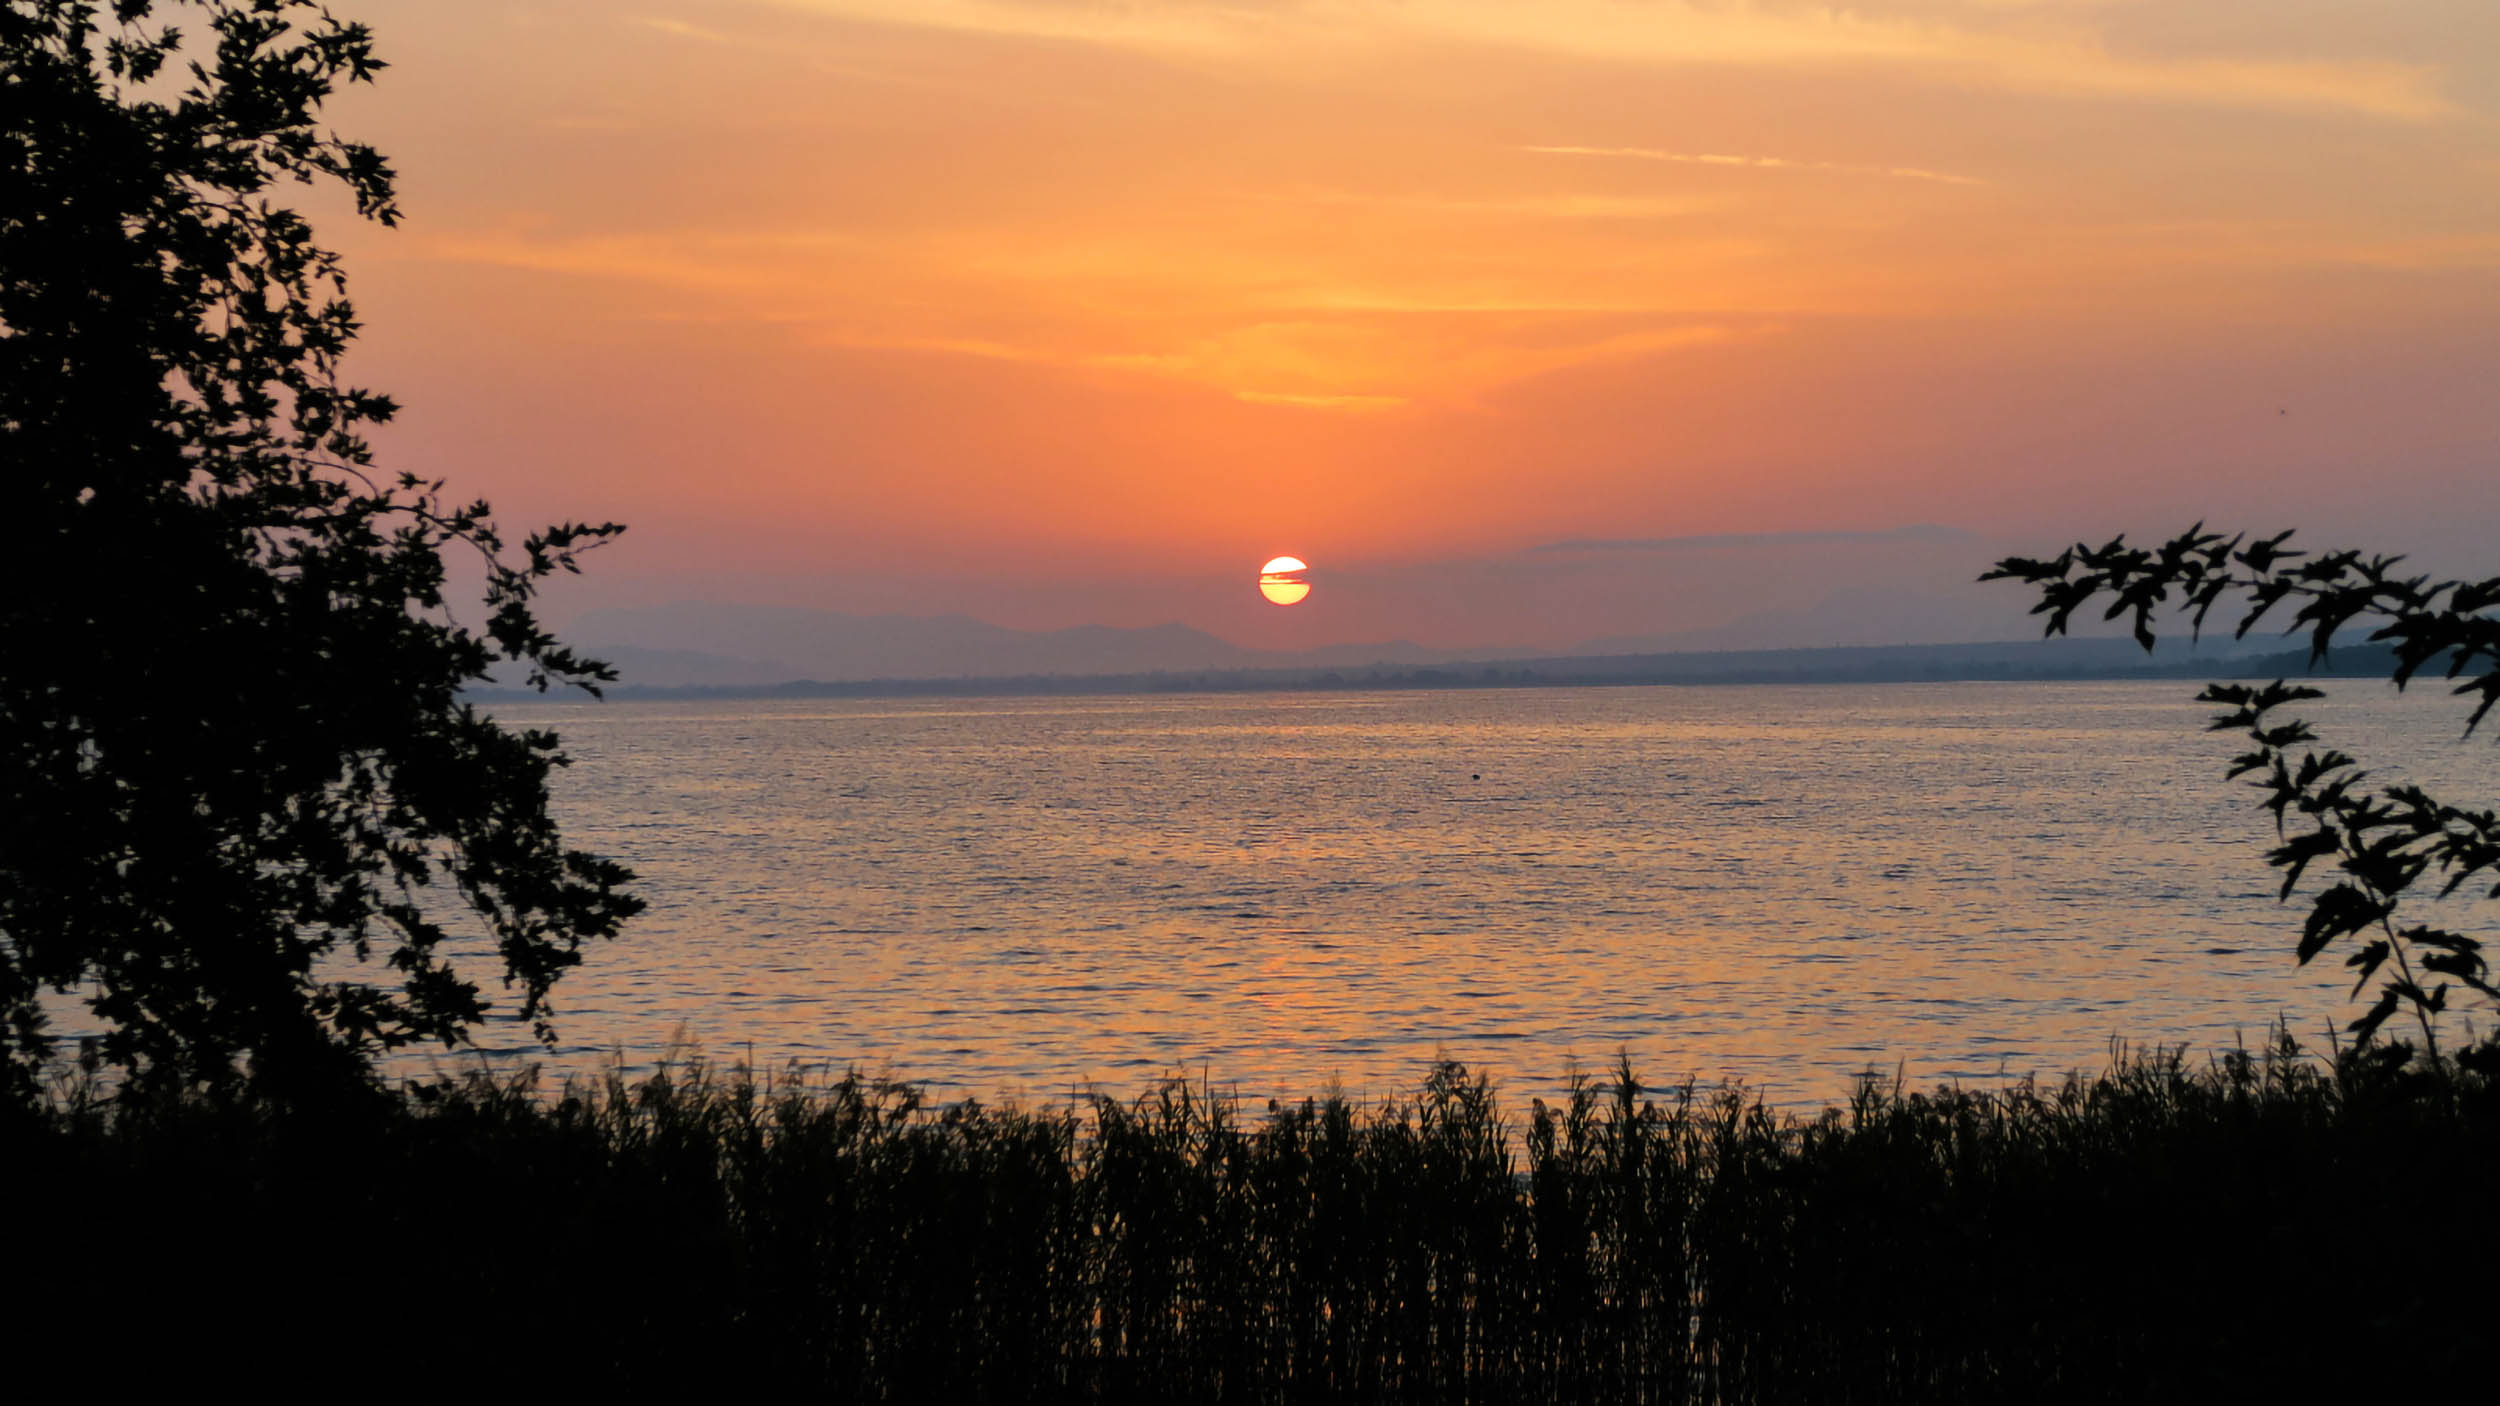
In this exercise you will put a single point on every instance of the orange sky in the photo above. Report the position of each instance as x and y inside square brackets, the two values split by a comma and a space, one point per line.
[1071, 310]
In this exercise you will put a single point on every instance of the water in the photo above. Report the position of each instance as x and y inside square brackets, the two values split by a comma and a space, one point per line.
[1786, 885]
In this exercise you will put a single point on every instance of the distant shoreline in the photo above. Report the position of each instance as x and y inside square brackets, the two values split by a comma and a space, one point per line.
[2032, 661]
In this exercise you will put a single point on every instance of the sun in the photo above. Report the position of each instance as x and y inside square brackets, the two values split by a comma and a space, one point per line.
[1281, 580]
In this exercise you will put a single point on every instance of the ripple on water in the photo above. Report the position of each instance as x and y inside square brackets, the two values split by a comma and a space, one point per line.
[1786, 885]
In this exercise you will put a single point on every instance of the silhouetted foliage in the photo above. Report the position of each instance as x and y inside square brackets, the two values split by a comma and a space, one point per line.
[2156, 1234]
[233, 750]
[2382, 840]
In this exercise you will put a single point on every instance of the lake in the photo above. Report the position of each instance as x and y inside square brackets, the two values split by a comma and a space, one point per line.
[1785, 885]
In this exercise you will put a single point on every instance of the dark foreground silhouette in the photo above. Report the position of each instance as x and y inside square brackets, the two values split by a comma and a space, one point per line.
[2259, 1228]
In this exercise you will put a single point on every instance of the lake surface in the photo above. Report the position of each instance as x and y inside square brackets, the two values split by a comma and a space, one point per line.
[1786, 885]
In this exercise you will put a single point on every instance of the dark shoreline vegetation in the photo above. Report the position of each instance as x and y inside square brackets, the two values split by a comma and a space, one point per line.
[2268, 1224]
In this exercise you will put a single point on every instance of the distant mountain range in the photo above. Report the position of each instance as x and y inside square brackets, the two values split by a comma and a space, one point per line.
[698, 648]
[704, 644]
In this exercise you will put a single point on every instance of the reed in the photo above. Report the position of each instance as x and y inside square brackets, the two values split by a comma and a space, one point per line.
[2159, 1231]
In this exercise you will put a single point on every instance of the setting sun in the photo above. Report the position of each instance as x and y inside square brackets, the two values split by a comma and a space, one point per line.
[1281, 580]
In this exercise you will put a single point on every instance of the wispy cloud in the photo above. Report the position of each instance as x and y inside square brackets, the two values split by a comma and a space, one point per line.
[1553, 207]
[1916, 532]
[1765, 163]
[1321, 402]
[1392, 360]
[682, 30]
[707, 261]
[2004, 47]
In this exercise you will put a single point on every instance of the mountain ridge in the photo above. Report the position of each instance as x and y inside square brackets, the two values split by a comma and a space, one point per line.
[692, 644]
[1347, 666]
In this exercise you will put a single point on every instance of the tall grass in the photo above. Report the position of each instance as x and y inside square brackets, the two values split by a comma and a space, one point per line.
[2158, 1232]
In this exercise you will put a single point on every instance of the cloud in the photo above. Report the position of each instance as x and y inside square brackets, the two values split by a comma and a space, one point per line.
[1394, 359]
[1548, 207]
[2024, 48]
[679, 29]
[1774, 163]
[1321, 402]
[1718, 541]
[707, 261]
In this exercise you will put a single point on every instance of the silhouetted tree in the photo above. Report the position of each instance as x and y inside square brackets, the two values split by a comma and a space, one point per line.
[232, 743]
[2382, 841]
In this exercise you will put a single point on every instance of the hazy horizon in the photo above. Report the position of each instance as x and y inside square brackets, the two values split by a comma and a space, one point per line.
[730, 645]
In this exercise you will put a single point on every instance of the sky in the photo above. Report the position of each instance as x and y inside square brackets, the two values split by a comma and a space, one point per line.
[1522, 323]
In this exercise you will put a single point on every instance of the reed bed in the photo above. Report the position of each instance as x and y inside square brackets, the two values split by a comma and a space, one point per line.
[2264, 1224]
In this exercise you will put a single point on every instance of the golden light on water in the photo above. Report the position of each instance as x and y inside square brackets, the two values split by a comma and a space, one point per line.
[1281, 580]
